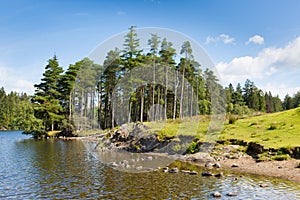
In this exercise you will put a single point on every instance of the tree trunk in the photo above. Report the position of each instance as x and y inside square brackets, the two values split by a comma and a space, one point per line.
[175, 95]
[153, 90]
[181, 95]
[99, 106]
[112, 113]
[166, 93]
[142, 104]
[129, 113]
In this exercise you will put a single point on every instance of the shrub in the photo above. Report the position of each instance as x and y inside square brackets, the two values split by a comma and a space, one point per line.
[272, 126]
[192, 148]
[281, 157]
[263, 157]
[232, 119]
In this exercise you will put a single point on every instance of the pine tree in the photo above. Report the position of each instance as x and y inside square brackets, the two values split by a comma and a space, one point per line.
[47, 96]
[167, 54]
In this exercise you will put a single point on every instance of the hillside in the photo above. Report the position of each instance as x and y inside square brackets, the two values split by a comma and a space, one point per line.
[281, 129]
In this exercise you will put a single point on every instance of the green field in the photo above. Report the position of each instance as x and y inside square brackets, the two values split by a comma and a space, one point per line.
[275, 130]
[281, 129]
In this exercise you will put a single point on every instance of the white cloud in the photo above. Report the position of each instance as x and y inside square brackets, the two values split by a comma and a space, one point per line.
[281, 90]
[10, 80]
[269, 63]
[226, 39]
[256, 39]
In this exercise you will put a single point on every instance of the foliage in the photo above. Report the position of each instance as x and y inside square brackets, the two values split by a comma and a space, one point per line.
[192, 148]
[281, 157]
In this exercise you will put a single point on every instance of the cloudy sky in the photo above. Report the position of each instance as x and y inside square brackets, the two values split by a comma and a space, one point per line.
[254, 39]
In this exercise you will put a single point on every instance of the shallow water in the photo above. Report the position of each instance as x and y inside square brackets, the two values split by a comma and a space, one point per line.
[50, 169]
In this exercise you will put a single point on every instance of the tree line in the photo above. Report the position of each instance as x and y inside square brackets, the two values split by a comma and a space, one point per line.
[131, 85]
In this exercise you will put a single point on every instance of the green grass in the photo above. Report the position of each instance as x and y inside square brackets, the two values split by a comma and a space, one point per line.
[52, 133]
[275, 130]
[195, 126]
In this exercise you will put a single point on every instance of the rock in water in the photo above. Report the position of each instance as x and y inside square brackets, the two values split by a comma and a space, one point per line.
[193, 173]
[263, 185]
[174, 170]
[219, 175]
[230, 194]
[207, 174]
[217, 194]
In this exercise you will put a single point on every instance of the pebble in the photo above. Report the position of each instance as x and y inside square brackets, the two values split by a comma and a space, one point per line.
[234, 165]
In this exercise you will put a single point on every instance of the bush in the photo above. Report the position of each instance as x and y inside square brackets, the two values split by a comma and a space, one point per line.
[232, 119]
[192, 148]
[272, 126]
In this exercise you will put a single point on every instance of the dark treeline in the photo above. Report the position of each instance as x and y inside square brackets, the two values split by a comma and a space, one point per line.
[17, 112]
[131, 85]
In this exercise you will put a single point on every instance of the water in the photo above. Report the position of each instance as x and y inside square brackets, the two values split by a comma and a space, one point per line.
[57, 169]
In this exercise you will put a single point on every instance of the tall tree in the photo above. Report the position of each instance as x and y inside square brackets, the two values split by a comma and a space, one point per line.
[167, 54]
[131, 59]
[288, 102]
[47, 96]
[154, 43]
[186, 50]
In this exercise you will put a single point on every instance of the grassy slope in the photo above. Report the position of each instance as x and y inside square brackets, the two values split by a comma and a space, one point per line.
[275, 130]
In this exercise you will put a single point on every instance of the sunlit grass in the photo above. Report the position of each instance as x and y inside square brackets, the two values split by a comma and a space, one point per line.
[275, 130]
[52, 133]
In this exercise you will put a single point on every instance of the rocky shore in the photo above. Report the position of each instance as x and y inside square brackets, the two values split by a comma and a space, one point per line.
[136, 139]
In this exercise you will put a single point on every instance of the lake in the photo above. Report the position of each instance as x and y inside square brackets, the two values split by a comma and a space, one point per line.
[66, 169]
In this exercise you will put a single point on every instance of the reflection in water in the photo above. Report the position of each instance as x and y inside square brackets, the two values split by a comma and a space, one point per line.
[31, 169]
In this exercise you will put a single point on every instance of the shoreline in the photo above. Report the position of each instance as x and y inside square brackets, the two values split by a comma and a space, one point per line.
[286, 169]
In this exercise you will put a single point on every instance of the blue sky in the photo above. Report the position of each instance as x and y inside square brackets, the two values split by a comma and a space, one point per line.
[259, 40]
